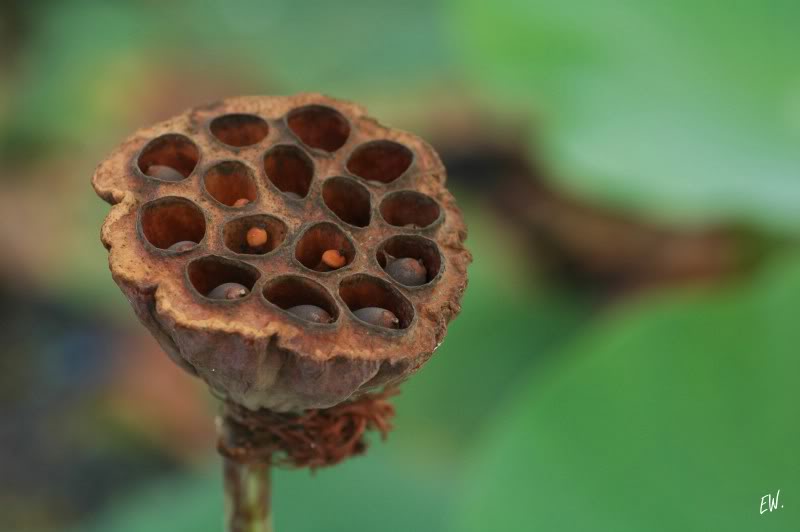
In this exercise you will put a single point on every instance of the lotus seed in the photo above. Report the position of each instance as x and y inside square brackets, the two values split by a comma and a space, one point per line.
[311, 313]
[333, 259]
[229, 291]
[378, 316]
[407, 271]
[257, 237]
[183, 245]
[164, 173]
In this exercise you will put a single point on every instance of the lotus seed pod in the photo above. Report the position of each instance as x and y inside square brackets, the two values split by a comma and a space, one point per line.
[367, 191]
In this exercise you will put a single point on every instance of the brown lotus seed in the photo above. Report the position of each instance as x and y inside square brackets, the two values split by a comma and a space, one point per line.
[257, 237]
[241, 202]
[228, 291]
[183, 245]
[407, 271]
[378, 316]
[311, 313]
[164, 173]
[333, 259]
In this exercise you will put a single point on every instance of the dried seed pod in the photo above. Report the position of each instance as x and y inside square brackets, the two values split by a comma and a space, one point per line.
[253, 353]
[228, 291]
[378, 316]
[407, 271]
[311, 313]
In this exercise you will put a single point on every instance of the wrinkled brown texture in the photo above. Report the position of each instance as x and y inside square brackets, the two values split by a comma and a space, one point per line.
[250, 351]
[316, 438]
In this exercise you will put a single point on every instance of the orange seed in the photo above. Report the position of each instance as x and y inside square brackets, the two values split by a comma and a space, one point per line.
[333, 259]
[256, 237]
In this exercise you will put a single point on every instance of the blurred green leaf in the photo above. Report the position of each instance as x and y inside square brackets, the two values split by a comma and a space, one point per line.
[77, 71]
[370, 493]
[88, 60]
[687, 109]
[678, 415]
[356, 48]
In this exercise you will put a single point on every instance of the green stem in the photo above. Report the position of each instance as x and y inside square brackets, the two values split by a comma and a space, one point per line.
[248, 505]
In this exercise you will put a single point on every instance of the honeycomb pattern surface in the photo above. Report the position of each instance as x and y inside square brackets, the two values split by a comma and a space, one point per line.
[297, 201]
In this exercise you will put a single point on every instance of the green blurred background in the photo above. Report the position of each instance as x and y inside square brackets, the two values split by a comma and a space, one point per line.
[627, 355]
